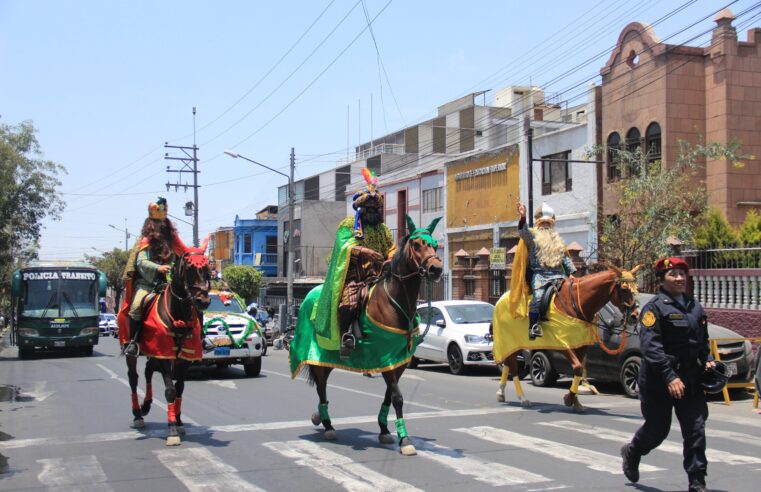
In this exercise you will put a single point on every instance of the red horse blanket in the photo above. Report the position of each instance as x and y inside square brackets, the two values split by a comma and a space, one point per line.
[159, 340]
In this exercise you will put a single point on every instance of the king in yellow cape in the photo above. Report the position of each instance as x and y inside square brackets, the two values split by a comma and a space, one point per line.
[510, 321]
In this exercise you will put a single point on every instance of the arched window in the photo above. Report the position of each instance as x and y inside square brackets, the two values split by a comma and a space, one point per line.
[633, 142]
[653, 142]
[614, 144]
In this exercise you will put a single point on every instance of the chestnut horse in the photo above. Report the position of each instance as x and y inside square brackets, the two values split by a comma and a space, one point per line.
[171, 337]
[580, 298]
[392, 305]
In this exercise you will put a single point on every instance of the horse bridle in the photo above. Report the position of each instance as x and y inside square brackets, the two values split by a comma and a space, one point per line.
[181, 266]
[422, 267]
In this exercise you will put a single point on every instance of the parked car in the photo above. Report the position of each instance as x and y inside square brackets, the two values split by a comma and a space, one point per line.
[547, 366]
[227, 322]
[106, 324]
[458, 335]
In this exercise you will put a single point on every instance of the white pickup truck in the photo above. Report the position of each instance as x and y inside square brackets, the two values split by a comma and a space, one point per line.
[236, 336]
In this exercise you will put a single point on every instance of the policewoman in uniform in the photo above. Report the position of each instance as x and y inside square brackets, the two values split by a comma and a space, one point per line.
[675, 354]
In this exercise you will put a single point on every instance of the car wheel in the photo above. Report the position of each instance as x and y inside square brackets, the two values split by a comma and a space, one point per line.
[454, 357]
[414, 361]
[253, 367]
[630, 376]
[222, 365]
[542, 372]
[264, 346]
[87, 351]
[25, 352]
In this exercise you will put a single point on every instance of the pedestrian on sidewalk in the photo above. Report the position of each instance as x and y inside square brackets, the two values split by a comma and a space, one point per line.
[675, 354]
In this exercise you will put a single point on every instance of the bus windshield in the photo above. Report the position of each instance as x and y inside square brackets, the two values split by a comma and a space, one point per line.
[59, 298]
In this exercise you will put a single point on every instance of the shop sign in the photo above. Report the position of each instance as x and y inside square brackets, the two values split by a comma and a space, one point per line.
[497, 258]
[481, 171]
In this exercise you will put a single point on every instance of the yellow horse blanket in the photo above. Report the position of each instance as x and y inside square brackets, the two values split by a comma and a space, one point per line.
[561, 332]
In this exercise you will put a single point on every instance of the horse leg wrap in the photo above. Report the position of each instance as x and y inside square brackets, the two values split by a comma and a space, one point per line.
[503, 377]
[149, 392]
[383, 415]
[322, 408]
[135, 402]
[575, 384]
[401, 430]
[518, 386]
[171, 414]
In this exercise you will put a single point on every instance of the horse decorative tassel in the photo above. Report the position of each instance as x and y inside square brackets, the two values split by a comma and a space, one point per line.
[390, 328]
[570, 328]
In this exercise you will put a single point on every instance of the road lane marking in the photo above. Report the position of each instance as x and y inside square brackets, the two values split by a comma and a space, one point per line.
[591, 459]
[80, 473]
[201, 471]
[202, 431]
[222, 384]
[337, 468]
[39, 392]
[140, 392]
[721, 434]
[490, 472]
[359, 392]
[666, 446]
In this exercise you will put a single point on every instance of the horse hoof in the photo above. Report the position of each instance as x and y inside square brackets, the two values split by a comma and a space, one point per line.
[330, 435]
[569, 399]
[579, 408]
[408, 450]
[386, 439]
[500, 397]
[138, 423]
[316, 418]
[526, 403]
[173, 441]
[181, 430]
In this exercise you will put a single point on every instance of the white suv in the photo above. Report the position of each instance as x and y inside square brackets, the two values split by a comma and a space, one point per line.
[458, 334]
[236, 336]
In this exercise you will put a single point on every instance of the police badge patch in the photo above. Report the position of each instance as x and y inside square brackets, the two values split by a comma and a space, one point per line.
[648, 319]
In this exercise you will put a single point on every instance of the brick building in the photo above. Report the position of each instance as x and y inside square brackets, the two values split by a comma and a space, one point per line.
[654, 94]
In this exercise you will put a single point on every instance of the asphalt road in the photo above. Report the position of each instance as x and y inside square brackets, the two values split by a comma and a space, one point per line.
[65, 425]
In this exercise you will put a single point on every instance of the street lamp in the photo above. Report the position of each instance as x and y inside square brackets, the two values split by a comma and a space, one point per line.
[126, 234]
[291, 204]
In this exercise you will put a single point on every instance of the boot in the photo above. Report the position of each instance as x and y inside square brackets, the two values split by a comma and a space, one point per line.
[631, 462]
[697, 483]
[347, 345]
[132, 349]
[535, 328]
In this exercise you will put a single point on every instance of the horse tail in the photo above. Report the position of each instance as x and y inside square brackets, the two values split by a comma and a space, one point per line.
[308, 374]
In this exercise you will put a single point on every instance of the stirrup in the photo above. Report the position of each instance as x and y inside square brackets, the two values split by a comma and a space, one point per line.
[132, 349]
[347, 345]
[535, 331]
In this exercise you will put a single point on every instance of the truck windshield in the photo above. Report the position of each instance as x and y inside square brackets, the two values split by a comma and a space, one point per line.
[59, 298]
[217, 306]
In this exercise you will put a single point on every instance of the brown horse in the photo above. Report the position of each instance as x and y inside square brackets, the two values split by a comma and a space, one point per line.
[393, 305]
[171, 338]
[580, 298]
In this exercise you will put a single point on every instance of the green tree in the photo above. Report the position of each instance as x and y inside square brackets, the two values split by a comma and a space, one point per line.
[112, 263]
[656, 202]
[750, 231]
[244, 280]
[715, 232]
[29, 195]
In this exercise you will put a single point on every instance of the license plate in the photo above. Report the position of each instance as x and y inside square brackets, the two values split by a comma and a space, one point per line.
[222, 351]
[732, 369]
[59, 344]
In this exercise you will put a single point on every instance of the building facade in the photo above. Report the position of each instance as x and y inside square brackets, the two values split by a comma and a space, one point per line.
[655, 94]
[255, 244]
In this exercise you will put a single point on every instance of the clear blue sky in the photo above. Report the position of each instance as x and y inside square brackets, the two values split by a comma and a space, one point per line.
[107, 83]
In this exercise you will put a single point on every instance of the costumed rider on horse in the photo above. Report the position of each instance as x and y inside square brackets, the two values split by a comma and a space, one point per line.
[148, 264]
[548, 260]
[366, 243]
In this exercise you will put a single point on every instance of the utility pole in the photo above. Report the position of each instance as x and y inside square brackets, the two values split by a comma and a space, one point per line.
[189, 165]
[291, 205]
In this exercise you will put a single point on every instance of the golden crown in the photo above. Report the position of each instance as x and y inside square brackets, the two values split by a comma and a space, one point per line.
[157, 210]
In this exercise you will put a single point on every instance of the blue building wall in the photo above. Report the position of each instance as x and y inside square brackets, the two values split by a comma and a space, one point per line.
[258, 231]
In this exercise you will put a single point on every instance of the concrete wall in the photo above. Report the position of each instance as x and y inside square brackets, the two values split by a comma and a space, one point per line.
[317, 222]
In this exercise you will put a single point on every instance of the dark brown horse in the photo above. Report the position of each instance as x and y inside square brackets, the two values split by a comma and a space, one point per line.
[580, 298]
[393, 304]
[171, 338]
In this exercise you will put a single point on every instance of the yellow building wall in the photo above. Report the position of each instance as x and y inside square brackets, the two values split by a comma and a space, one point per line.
[487, 198]
[223, 244]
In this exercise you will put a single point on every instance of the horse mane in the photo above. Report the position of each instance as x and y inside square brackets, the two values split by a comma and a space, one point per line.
[398, 258]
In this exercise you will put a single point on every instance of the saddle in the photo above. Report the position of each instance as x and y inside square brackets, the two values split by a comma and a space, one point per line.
[364, 270]
[149, 300]
[552, 289]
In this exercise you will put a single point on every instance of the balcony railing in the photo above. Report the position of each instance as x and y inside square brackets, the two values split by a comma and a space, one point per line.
[727, 288]
[373, 151]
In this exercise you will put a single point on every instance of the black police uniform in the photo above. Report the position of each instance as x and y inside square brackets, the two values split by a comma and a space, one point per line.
[674, 343]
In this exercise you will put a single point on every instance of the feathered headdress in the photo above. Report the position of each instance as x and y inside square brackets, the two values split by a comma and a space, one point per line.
[157, 210]
[360, 198]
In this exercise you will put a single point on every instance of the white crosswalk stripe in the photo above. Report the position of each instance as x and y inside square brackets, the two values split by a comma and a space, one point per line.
[76, 473]
[747, 438]
[591, 459]
[666, 446]
[493, 473]
[337, 468]
[201, 471]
